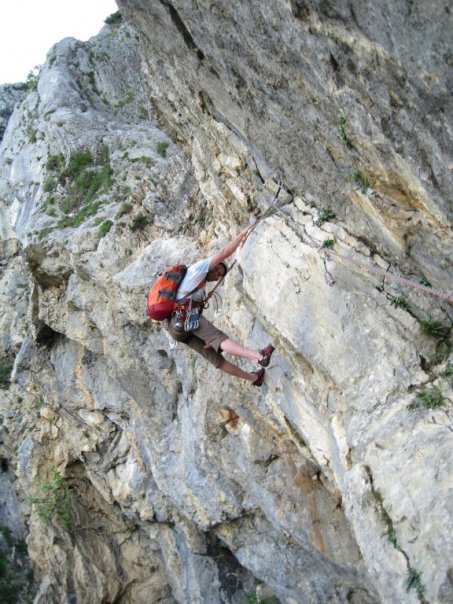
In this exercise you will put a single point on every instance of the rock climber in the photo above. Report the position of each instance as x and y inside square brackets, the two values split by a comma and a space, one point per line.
[191, 328]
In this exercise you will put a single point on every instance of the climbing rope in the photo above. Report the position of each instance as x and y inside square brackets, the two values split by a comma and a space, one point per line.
[328, 253]
[447, 296]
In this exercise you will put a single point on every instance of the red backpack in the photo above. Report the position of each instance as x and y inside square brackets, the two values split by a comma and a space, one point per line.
[162, 295]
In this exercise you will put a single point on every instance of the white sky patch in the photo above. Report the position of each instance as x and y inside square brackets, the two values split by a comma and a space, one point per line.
[29, 28]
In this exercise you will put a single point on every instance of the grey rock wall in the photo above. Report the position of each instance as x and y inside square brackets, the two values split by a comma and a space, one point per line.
[138, 473]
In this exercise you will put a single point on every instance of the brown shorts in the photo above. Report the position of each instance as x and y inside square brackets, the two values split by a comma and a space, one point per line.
[206, 333]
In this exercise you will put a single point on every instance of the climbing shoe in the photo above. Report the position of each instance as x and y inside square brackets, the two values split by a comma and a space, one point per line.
[266, 354]
[259, 377]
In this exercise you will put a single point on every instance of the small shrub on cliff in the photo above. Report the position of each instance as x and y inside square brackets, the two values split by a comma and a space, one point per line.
[342, 132]
[425, 282]
[430, 398]
[5, 374]
[83, 178]
[55, 162]
[53, 499]
[390, 537]
[114, 18]
[140, 222]
[435, 329]
[77, 163]
[80, 217]
[328, 244]
[31, 83]
[399, 302]
[361, 180]
[32, 134]
[254, 598]
[161, 148]
[414, 581]
[105, 227]
[324, 216]
[50, 184]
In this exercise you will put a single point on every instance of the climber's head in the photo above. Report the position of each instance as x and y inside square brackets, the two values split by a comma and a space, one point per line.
[219, 271]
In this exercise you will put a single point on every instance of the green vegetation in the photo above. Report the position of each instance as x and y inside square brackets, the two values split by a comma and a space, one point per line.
[140, 222]
[435, 329]
[148, 161]
[328, 244]
[5, 374]
[390, 537]
[342, 132]
[143, 113]
[105, 228]
[92, 79]
[31, 83]
[161, 148]
[45, 231]
[361, 180]
[429, 398]
[53, 501]
[414, 581]
[425, 282]
[76, 164]
[50, 185]
[399, 302]
[83, 178]
[129, 98]
[32, 134]
[68, 204]
[55, 162]
[84, 213]
[324, 216]
[114, 18]
[86, 179]
[254, 598]
[389, 534]
[38, 404]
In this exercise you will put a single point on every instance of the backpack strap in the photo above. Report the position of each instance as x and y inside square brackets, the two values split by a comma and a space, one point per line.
[185, 300]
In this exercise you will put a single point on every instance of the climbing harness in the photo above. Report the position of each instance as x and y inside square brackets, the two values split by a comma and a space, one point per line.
[192, 320]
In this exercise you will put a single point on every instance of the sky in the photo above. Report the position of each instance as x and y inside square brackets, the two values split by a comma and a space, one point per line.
[29, 28]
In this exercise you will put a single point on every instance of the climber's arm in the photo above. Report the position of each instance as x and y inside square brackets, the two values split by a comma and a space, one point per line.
[230, 248]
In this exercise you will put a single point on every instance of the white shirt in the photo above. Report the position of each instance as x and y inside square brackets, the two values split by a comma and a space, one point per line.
[195, 275]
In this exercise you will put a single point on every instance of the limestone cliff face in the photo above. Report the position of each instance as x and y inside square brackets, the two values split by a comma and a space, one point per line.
[136, 471]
